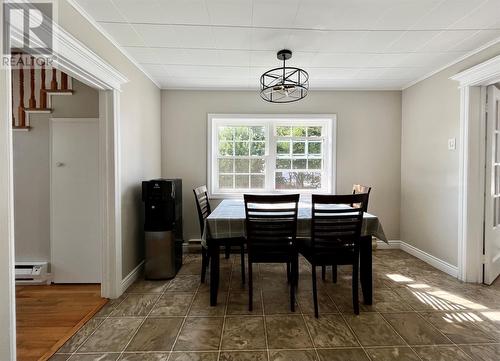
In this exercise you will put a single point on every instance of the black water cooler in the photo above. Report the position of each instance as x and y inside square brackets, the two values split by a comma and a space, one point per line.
[163, 227]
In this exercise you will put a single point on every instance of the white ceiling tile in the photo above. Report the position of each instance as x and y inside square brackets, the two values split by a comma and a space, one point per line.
[230, 12]
[207, 71]
[176, 35]
[410, 41]
[378, 41]
[175, 56]
[264, 58]
[306, 40]
[150, 55]
[446, 40]
[124, 34]
[232, 38]
[233, 57]
[426, 60]
[102, 10]
[332, 73]
[475, 40]
[369, 73]
[403, 14]
[389, 60]
[269, 39]
[341, 15]
[447, 13]
[276, 13]
[315, 14]
[155, 70]
[164, 12]
[139, 11]
[403, 73]
[268, 59]
[342, 41]
[343, 59]
[486, 16]
[185, 11]
[351, 44]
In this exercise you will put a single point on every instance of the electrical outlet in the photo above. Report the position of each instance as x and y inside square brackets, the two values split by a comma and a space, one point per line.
[452, 144]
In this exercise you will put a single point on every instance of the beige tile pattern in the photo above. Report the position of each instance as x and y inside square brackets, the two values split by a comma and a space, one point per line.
[419, 313]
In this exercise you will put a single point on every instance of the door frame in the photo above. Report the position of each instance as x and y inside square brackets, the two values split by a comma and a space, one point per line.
[81, 63]
[472, 83]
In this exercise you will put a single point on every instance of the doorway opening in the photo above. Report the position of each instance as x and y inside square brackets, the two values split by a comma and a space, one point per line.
[58, 265]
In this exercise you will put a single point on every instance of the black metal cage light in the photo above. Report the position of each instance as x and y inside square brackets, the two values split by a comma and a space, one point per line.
[286, 84]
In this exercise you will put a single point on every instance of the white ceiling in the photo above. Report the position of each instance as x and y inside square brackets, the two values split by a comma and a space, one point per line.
[352, 44]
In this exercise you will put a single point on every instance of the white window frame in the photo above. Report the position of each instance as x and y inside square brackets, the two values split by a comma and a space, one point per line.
[328, 121]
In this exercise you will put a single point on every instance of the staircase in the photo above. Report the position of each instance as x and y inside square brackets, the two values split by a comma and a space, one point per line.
[40, 96]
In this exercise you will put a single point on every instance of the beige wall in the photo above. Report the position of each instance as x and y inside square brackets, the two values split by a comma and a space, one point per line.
[31, 152]
[140, 128]
[368, 141]
[429, 171]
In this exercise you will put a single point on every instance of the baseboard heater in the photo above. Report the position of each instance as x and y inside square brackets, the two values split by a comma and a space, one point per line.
[32, 273]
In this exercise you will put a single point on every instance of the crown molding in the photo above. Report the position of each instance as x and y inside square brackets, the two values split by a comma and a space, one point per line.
[73, 57]
[487, 72]
[456, 61]
[99, 28]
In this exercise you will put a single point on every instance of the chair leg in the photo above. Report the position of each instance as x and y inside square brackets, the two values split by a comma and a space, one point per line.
[295, 273]
[204, 264]
[227, 249]
[355, 282]
[315, 291]
[250, 286]
[292, 291]
[288, 272]
[242, 261]
[323, 273]
[334, 273]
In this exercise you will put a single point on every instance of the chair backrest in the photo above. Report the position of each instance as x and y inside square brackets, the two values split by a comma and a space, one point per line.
[202, 205]
[335, 224]
[271, 222]
[357, 189]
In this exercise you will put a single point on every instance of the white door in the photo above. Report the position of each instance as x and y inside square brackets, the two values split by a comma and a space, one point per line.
[492, 190]
[75, 244]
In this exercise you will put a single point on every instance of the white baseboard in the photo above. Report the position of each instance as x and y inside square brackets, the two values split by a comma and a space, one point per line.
[132, 276]
[424, 256]
[392, 245]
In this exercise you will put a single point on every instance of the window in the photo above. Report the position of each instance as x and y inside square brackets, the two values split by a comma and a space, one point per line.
[270, 154]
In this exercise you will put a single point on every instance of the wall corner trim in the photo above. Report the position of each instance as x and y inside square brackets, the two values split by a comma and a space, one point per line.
[424, 256]
[132, 276]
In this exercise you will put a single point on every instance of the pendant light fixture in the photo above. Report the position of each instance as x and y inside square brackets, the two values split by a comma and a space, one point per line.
[286, 84]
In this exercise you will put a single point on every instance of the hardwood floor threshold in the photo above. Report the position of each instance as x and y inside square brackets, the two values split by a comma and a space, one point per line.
[73, 331]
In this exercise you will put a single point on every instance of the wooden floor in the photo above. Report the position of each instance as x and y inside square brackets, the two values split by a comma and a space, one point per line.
[48, 315]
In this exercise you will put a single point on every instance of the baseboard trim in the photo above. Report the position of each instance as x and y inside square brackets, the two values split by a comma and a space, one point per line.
[390, 245]
[430, 259]
[424, 256]
[132, 276]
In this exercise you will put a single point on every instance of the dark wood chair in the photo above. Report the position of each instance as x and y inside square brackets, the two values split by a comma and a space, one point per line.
[204, 210]
[335, 237]
[356, 189]
[271, 228]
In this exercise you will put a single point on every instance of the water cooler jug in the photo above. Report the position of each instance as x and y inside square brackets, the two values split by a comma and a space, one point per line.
[163, 227]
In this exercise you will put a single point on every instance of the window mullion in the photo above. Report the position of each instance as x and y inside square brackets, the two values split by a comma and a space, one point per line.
[271, 158]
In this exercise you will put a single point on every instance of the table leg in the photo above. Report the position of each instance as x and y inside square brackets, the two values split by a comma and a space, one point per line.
[366, 269]
[214, 250]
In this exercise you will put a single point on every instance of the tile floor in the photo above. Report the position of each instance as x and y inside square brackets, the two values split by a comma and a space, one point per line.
[419, 313]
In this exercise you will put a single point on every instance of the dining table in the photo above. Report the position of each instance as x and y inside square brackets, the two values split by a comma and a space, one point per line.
[227, 220]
